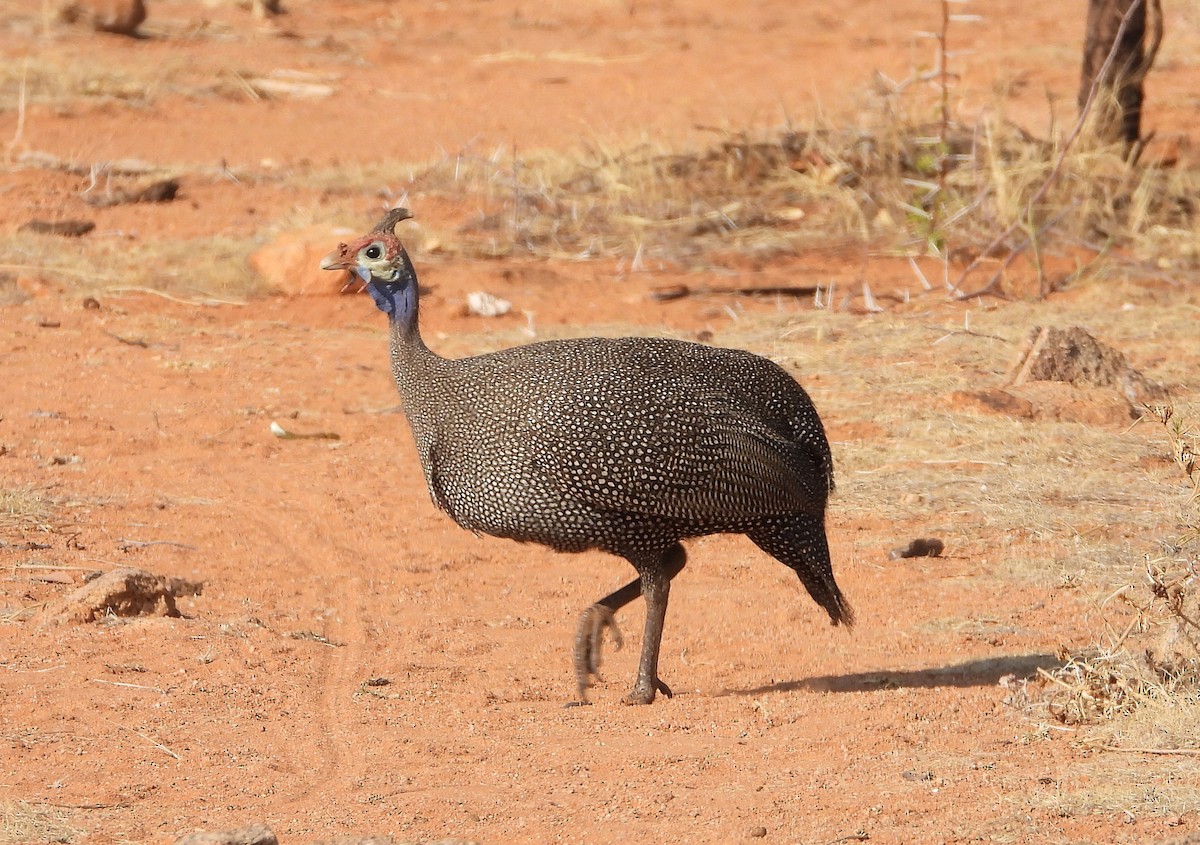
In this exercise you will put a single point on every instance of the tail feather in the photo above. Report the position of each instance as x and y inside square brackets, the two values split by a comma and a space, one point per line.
[827, 594]
[800, 543]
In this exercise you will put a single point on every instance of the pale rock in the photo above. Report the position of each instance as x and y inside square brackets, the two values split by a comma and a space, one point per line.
[122, 592]
[483, 304]
[255, 834]
[291, 264]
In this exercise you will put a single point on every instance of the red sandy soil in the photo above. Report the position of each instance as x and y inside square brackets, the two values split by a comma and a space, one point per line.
[324, 562]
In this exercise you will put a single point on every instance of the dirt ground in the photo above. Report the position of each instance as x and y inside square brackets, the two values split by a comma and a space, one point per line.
[355, 663]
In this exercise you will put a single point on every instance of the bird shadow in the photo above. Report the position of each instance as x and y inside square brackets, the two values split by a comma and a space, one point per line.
[973, 673]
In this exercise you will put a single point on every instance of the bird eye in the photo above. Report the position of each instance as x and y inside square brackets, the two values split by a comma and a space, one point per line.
[374, 251]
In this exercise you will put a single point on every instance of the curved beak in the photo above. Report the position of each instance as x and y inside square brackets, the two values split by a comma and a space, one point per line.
[339, 259]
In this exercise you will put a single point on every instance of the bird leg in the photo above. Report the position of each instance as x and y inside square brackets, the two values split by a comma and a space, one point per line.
[589, 635]
[656, 589]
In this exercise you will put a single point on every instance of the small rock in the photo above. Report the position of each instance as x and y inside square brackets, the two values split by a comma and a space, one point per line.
[122, 17]
[266, 8]
[758, 832]
[63, 228]
[164, 190]
[922, 547]
[255, 834]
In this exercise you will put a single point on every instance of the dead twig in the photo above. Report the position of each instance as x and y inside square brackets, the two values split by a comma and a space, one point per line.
[19, 131]
[129, 341]
[121, 806]
[158, 690]
[211, 302]
[61, 228]
[860, 836]
[157, 745]
[125, 545]
[1055, 170]
[1187, 752]
[314, 637]
[53, 566]
[1015, 254]
[670, 293]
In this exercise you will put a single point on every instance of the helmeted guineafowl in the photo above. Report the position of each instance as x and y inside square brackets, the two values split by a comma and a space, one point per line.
[626, 445]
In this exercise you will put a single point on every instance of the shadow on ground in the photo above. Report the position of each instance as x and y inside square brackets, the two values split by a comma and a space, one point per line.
[973, 673]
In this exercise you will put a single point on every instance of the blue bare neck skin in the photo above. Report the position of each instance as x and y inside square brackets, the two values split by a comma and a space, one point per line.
[395, 296]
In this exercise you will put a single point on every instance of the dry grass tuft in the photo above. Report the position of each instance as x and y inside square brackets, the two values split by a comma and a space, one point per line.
[58, 74]
[1097, 689]
[22, 822]
[1174, 578]
[756, 198]
[1151, 687]
[910, 180]
[26, 509]
[752, 197]
[880, 186]
[1133, 790]
[99, 264]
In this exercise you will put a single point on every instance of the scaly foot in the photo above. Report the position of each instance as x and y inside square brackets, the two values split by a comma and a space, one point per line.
[644, 693]
[589, 636]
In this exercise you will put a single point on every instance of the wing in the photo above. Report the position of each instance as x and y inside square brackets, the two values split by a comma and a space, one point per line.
[671, 449]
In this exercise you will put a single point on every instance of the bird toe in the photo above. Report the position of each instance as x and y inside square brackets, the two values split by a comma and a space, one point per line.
[588, 646]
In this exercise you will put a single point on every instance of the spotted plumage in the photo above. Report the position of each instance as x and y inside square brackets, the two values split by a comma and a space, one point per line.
[628, 445]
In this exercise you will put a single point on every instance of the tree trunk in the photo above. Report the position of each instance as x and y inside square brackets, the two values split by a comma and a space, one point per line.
[1118, 27]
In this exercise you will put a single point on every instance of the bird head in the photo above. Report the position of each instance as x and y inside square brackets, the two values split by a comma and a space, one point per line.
[379, 259]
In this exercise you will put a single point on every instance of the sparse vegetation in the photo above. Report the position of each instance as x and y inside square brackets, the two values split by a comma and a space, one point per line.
[113, 263]
[913, 178]
[1142, 682]
[22, 822]
[1059, 520]
[887, 187]
[25, 509]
